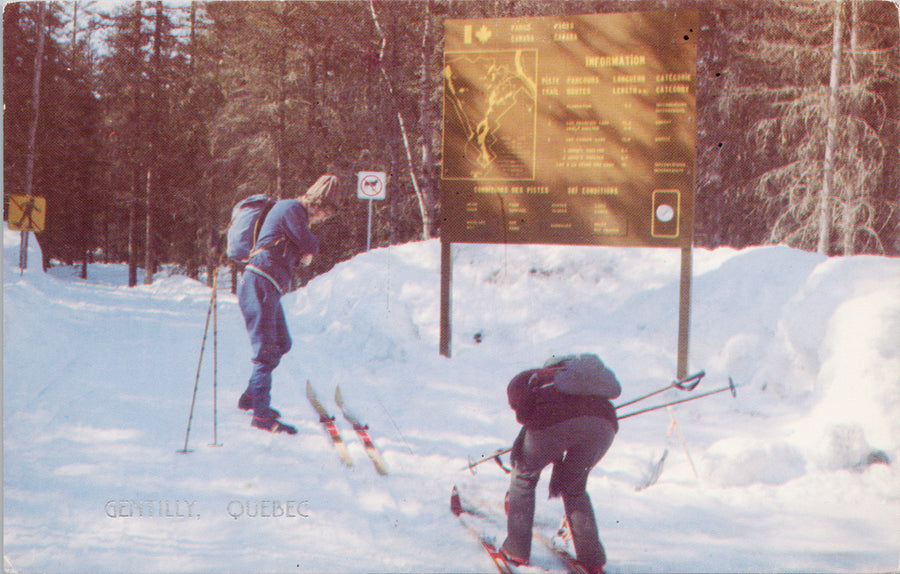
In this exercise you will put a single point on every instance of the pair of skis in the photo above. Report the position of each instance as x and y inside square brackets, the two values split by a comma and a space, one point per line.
[463, 509]
[361, 430]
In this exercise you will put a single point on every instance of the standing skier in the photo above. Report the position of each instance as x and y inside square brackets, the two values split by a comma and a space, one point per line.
[569, 421]
[284, 241]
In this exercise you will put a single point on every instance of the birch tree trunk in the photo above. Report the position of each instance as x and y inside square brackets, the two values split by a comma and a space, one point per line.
[283, 16]
[849, 216]
[73, 49]
[825, 197]
[424, 207]
[425, 117]
[32, 130]
[152, 170]
[135, 144]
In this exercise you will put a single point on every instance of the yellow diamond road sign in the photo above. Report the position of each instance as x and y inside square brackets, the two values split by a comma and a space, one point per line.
[26, 213]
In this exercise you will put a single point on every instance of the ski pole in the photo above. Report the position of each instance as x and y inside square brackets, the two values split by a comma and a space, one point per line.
[686, 384]
[730, 387]
[681, 384]
[215, 441]
[197, 379]
[684, 445]
[495, 456]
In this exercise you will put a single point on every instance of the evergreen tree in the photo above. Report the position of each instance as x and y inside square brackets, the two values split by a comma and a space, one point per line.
[58, 144]
[140, 75]
[124, 94]
[142, 152]
[198, 205]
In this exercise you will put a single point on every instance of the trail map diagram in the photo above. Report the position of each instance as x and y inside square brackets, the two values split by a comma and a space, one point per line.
[490, 115]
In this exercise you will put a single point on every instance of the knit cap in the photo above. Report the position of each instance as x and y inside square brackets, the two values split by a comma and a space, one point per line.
[324, 191]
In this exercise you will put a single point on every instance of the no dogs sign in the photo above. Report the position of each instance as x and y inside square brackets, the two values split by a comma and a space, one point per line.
[371, 185]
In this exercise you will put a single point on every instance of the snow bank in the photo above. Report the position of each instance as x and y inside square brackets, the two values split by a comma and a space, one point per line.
[99, 378]
[836, 351]
[12, 241]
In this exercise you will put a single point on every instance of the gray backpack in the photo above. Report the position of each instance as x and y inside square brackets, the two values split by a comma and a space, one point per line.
[246, 220]
[583, 374]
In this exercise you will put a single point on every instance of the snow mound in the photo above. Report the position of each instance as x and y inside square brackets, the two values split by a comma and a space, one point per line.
[743, 461]
[99, 379]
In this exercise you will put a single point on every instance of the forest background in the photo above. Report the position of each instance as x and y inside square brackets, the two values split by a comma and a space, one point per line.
[143, 123]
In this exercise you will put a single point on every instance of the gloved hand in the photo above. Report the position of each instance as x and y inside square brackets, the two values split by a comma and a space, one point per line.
[541, 378]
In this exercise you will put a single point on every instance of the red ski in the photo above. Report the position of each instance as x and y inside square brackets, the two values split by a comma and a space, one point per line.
[328, 422]
[458, 510]
[572, 566]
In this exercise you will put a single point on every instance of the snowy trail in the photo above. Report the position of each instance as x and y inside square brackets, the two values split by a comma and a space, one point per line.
[98, 381]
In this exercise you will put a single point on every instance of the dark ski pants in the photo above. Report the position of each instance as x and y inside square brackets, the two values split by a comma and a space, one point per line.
[260, 304]
[579, 443]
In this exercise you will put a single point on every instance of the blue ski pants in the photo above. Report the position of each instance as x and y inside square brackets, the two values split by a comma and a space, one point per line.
[575, 446]
[260, 303]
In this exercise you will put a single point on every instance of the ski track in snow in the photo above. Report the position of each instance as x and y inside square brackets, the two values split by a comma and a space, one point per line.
[98, 381]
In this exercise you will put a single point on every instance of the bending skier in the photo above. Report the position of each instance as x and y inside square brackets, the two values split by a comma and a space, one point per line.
[569, 421]
[284, 241]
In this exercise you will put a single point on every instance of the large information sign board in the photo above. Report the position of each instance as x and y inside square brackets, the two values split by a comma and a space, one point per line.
[575, 130]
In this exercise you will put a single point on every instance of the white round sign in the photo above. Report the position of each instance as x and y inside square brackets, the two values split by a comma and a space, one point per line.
[371, 185]
[665, 213]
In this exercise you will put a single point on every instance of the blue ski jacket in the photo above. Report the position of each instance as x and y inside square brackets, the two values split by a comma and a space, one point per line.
[283, 240]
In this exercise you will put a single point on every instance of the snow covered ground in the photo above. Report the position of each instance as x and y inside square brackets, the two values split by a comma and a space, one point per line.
[98, 380]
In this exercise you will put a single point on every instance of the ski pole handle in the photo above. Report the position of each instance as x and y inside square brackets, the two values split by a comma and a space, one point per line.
[689, 383]
[685, 384]
[493, 456]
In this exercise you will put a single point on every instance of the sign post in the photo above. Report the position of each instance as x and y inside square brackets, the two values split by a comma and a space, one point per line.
[446, 297]
[371, 185]
[571, 130]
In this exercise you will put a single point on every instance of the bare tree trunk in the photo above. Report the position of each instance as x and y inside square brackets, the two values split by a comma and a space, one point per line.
[424, 207]
[153, 169]
[192, 46]
[282, 117]
[74, 42]
[132, 224]
[148, 220]
[281, 109]
[849, 217]
[135, 146]
[428, 183]
[32, 130]
[825, 197]
[83, 213]
[208, 201]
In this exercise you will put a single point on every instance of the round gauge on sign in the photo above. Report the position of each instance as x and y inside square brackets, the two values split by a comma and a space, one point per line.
[665, 212]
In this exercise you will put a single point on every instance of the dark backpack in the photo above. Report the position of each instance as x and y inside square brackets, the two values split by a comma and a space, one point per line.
[246, 220]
